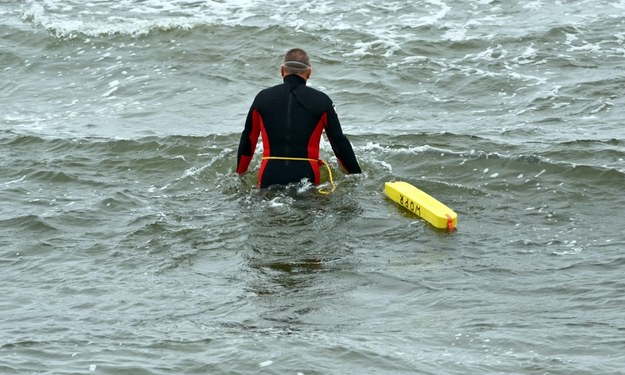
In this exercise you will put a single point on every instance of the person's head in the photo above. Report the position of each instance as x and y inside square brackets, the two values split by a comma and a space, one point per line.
[296, 61]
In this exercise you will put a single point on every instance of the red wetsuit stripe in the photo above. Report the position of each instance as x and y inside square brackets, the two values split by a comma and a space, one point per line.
[313, 146]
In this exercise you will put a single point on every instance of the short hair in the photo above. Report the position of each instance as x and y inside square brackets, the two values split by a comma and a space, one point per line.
[296, 60]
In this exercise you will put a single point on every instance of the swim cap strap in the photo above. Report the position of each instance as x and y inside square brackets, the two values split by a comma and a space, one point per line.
[296, 65]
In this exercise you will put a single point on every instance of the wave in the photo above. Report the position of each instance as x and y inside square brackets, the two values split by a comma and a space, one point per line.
[139, 18]
[64, 27]
[83, 180]
[28, 223]
[143, 175]
[156, 188]
[365, 32]
[150, 154]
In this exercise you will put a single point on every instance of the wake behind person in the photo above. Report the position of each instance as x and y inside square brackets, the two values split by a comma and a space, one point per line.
[292, 117]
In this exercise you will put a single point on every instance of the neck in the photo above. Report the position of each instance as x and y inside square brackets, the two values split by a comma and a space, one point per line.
[295, 76]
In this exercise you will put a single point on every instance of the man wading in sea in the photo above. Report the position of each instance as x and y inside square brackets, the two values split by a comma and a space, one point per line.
[292, 117]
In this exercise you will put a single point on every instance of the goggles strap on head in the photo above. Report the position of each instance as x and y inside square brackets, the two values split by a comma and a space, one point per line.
[296, 65]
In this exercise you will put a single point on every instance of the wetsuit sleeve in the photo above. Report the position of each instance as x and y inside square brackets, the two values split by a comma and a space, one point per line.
[249, 138]
[340, 144]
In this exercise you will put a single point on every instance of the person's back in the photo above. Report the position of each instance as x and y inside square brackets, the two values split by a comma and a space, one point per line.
[291, 117]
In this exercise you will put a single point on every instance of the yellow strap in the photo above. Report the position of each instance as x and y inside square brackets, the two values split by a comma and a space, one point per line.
[321, 190]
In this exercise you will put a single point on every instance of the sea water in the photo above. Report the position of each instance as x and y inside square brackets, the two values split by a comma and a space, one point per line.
[128, 245]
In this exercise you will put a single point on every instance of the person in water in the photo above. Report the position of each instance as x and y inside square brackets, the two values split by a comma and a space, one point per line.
[291, 117]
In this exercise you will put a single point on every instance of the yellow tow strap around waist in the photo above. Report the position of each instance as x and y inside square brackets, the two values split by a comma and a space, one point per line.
[321, 190]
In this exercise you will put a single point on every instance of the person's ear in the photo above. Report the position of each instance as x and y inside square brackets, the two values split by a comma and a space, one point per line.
[308, 73]
[282, 71]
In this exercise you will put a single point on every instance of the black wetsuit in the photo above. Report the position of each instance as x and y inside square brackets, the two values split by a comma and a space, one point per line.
[291, 117]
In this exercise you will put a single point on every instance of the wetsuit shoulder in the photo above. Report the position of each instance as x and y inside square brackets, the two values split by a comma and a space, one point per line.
[316, 100]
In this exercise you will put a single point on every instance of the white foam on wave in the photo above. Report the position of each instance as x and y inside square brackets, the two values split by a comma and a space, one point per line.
[135, 27]
[113, 86]
[435, 17]
[68, 18]
[65, 18]
[533, 5]
[381, 25]
[372, 48]
[456, 34]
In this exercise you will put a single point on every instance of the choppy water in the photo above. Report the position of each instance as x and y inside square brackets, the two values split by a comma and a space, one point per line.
[128, 246]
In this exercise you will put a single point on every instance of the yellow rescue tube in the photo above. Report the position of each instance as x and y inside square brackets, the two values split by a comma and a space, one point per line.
[422, 204]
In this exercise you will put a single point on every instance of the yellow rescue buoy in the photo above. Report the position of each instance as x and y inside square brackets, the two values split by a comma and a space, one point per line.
[422, 204]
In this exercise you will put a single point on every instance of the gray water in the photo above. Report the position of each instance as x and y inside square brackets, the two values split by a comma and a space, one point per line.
[129, 246]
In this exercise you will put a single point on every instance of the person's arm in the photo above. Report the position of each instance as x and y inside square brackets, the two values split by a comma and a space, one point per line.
[340, 144]
[249, 138]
